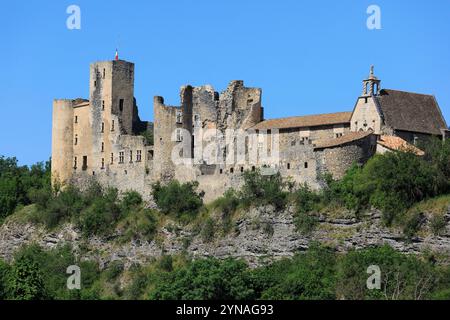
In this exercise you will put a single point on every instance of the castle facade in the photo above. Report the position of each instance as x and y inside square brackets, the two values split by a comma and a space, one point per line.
[214, 137]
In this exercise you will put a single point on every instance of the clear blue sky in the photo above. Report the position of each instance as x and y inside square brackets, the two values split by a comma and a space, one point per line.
[307, 56]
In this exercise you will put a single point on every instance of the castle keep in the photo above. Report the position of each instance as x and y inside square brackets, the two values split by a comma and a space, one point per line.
[103, 138]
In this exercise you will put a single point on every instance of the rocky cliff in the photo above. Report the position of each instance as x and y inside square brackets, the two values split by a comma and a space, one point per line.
[260, 235]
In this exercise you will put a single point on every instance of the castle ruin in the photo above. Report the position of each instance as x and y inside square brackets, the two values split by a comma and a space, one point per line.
[214, 137]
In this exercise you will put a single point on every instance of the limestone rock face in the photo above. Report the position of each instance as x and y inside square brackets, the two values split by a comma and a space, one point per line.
[261, 235]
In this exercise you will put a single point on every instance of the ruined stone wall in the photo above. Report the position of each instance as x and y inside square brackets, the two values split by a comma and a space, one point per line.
[106, 126]
[164, 128]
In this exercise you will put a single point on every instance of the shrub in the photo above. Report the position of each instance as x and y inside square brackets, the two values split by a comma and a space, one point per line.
[345, 192]
[139, 224]
[16, 182]
[166, 263]
[395, 181]
[305, 223]
[261, 189]
[96, 220]
[438, 224]
[114, 270]
[208, 230]
[130, 201]
[308, 276]
[178, 199]
[228, 203]
[402, 276]
[412, 224]
[204, 279]
[4, 275]
[305, 199]
[26, 280]
[65, 205]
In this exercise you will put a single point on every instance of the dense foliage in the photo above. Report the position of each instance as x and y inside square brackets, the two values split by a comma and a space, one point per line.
[96, 211]
[178, 199]
[19, 183]
[391, 182]
[318, 273]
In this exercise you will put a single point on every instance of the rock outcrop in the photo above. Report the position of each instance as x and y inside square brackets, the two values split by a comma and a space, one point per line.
[261, 235]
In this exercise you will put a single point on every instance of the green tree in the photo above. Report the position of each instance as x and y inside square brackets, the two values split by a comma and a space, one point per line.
[178, 199]
[26, 281]
[205, 279]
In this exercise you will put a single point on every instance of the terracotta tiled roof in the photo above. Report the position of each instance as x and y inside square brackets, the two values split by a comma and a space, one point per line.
[411, 111]
[397, 143]
[346, 138]
[305, 121]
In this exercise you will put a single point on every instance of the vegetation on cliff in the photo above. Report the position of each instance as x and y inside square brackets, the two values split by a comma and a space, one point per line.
[318, 273]
[401, 185]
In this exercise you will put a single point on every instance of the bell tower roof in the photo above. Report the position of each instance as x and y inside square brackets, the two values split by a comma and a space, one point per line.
[371, 85]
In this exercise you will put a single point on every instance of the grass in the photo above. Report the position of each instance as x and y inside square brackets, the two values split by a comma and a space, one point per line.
[437, 205]
[24, 215]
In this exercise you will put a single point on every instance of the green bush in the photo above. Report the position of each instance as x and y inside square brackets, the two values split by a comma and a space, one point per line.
[305, 199]
[308, 276]
[305, 223]
[26, 281]
[395, 181]
[17, 181]
[64, 206]
[178, 199]
[412, 224]
[204, 279]
[131, 201]
[114, 270]
[139, 224]
[438, 224]
[166, 263]
[208, 230]
[261, 189]
[402, 276]
[4, 276]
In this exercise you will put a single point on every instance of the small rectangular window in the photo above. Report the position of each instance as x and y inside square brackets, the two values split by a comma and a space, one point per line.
[84, 163]
[103, 105]
[231, 170]
[103, 146]
[306, 165]
[196, 119]
[103, 163]
[75, 163]
[179, 136]
[112, 125]
[76, 140]
[121, 105]
[121, 156]
[179, 116]
[76, 119]
[131, 156]
[112, 158]
[288, 166]
[104, 73]
[103, 127]
[138, 156]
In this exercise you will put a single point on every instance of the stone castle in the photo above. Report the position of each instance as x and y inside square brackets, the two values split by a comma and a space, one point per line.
[214, 137]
